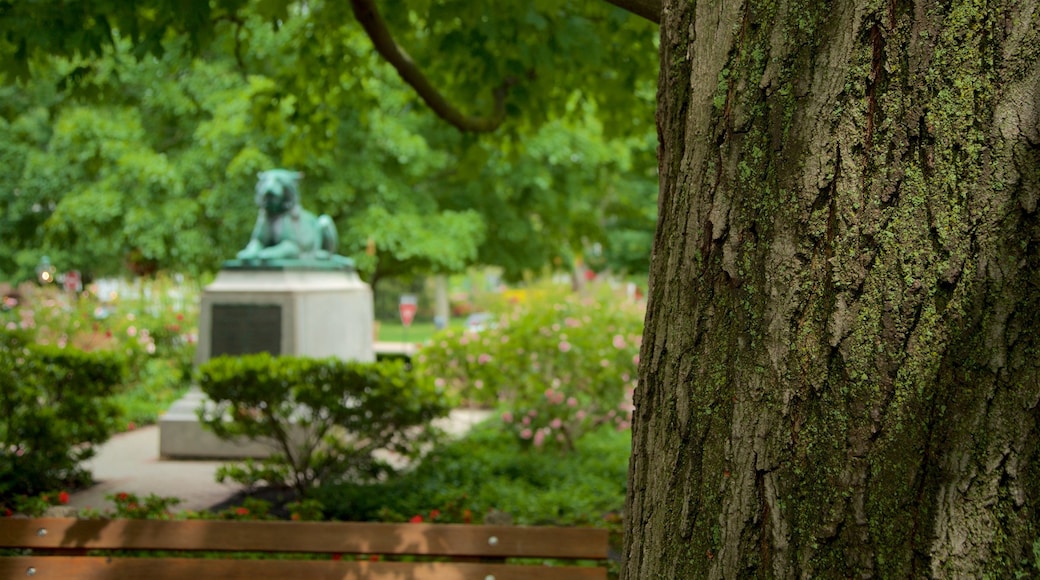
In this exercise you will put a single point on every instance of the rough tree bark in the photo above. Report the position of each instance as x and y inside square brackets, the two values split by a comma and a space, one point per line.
[839, 376]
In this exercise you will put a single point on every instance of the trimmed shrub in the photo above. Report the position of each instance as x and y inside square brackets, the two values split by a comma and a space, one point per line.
[326, 418]
[55, 406]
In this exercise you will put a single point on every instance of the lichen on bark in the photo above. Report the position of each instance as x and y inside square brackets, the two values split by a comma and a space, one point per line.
[840, 370]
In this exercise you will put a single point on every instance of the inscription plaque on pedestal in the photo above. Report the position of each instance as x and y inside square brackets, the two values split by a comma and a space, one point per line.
[246, 329]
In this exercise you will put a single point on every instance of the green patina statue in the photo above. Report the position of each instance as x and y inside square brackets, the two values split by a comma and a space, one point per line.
[286, 234]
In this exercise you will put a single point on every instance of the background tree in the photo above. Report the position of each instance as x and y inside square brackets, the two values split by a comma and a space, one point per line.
[236, 95]
[840, 368]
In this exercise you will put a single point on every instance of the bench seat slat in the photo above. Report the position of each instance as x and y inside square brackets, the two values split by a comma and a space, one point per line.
[102, 568]
[308, 537]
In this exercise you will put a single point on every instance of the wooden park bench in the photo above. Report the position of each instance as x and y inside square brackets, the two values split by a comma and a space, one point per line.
[66, 549]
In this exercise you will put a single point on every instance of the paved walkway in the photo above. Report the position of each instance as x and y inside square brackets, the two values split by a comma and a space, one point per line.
[129, 462]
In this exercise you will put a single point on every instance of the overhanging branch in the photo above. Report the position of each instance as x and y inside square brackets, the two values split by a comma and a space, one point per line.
[649, 9]
[370, 19]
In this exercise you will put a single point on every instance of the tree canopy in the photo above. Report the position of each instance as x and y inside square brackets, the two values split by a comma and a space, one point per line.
[137, 129]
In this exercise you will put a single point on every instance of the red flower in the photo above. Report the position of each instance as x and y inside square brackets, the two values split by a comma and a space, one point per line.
[8, 513]
[434, 514]
[374, 558]
[242, 511]
[417, 519]
[122, 496]
[337, 556]
[180, 316]
[294, 517]
[63, 497]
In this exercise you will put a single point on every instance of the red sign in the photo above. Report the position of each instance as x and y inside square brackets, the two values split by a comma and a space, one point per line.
[72, 281]
[407, 313]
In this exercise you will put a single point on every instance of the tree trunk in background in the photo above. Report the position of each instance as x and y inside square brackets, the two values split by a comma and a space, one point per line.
[839, 376]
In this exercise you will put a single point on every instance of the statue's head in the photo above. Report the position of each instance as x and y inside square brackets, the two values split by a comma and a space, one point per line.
[276, 190]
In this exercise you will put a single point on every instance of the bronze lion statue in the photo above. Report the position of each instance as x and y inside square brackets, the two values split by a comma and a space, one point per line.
[284, 230]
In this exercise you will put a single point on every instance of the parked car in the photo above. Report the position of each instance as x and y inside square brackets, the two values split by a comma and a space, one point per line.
[479, 321]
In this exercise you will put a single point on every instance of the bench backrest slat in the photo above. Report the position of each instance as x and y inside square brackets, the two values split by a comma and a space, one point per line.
[95, 568]
[307, 537]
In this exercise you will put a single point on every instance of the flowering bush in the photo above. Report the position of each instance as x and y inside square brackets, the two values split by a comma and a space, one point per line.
[32, 505]
[558, 363]
[130, 506]
[152, 325]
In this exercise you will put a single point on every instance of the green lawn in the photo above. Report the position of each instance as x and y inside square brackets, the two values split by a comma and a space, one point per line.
[417, 332]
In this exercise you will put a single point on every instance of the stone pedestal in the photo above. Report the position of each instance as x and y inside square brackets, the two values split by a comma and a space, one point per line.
[291, 312]
[284, 311]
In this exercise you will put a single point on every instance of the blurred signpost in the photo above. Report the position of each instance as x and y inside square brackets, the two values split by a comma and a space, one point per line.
[72, 281]
[407, 307]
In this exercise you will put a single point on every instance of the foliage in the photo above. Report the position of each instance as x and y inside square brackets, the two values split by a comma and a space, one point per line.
[32, 505]
[130, 506]
[151, 324]
[490, 470]
[328, 420]
[133, 149]
[54, 407]
[560, 363]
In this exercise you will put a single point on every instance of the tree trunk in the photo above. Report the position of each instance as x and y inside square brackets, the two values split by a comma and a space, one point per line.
[839, 376]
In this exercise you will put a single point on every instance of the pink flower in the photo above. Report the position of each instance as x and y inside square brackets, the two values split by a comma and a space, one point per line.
[565, 346]
[572, 402]
[555, 423]
[507, 417]
[604, 363]
[579, 415]
[438, 382]
[635, 360]
[572, 322]
[525, 434]
[478, 384]
[526, 420]
[132, 331]
[539, 438]
[619, 341]
[484, 358]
